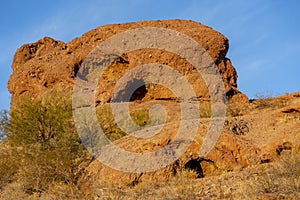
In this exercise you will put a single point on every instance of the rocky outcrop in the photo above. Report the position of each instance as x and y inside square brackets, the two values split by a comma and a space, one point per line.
[48, 63]
[255, 132]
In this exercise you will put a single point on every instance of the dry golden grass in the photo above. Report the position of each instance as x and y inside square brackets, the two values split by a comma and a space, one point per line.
[277, 179]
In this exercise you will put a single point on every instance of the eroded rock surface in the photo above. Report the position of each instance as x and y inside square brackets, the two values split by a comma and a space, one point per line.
[48, 63]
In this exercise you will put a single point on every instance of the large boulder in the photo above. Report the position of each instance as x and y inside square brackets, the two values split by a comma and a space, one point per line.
[51, 64]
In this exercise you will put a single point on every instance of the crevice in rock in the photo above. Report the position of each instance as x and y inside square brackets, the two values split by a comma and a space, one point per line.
[168, 99]
[283, 147]
[135, 181]
[263, 161]
[76, 68]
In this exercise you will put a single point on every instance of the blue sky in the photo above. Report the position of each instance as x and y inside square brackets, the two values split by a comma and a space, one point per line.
[263, 35]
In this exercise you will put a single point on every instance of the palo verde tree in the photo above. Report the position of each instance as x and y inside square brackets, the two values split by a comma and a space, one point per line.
[43, 135]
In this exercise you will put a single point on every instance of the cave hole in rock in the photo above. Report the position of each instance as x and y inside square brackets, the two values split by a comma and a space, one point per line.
[195, 165]
[134, 90]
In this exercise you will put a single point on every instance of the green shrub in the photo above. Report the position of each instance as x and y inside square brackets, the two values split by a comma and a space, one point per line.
[43, 137]
[108, 124]
[140, 117]
[111, 128]
[205, 109]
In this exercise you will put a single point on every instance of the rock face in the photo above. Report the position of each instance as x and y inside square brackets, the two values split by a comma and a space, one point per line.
[51, 64]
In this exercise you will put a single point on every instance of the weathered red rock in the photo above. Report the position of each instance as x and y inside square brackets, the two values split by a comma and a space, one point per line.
[48, 63]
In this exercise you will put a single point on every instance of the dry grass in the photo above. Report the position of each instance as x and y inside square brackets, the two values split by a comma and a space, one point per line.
[270, 103]
[278, 179]
[8, 166]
